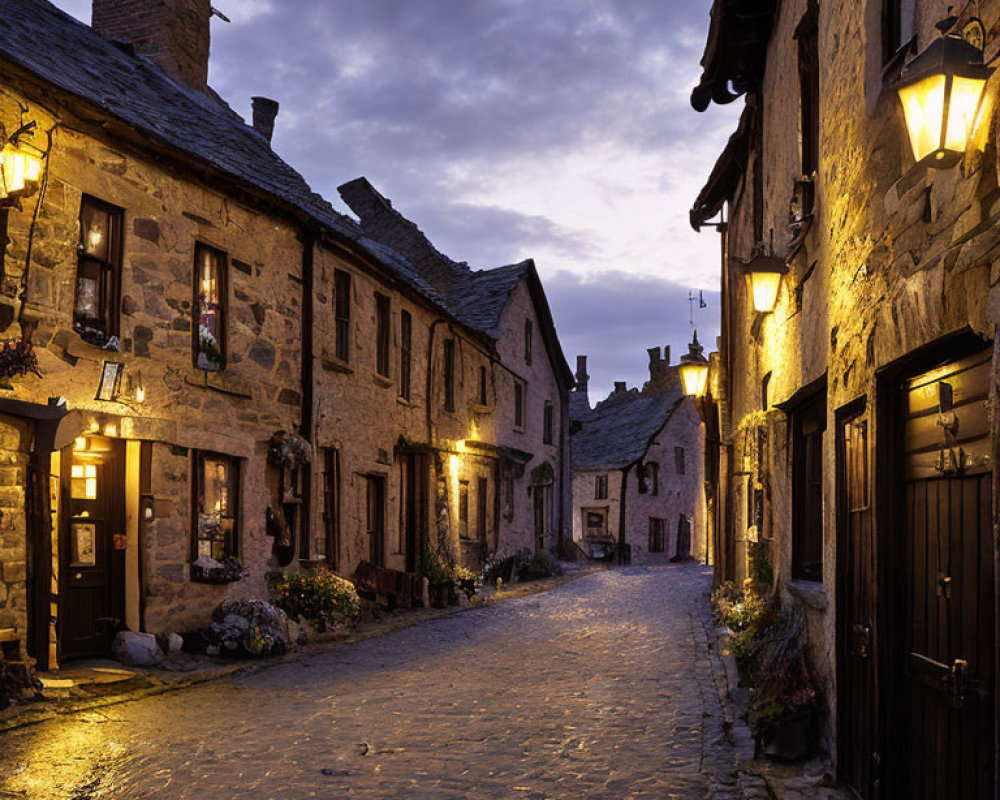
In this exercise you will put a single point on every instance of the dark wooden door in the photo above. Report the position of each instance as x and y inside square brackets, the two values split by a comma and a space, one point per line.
[538, 494]
[683, 548]
[414, 504]
[92, 547]
[946, 715]
[375, 518]
[856, 611]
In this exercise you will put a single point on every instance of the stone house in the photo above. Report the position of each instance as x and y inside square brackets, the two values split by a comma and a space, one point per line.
[637, 469]
[221, 355]
[857, 419]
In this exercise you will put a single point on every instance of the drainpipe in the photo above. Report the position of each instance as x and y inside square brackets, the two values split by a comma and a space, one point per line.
[621, 515]
[306, 426]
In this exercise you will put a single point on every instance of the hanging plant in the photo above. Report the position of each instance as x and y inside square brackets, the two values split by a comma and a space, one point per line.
[288, 450]
[18, 358]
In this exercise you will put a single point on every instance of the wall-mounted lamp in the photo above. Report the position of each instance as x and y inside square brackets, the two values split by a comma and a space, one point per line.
[764, 272]
[20, 170]
[941, 91]
[693, 369]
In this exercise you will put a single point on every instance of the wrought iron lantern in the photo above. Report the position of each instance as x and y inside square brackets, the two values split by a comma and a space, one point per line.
[764, 271]
[20, 170]
[693, 369]
[941, 91]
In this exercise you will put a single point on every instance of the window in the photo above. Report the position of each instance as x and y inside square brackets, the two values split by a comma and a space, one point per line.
[518, 404]
[547, 423]
[600, 487]
[482, 387]
[449, 374]
[463, 509]
[808, 425]
[216, 509]
[210, 308]
[405, 350]
[382, 328]
[331, 505]
[482, 507]
[98, 271]
[679, 466]
[653, 477]
[898, 17]
[657, 527]
[342, 314]
[527, 341]
[808, 37]
[375, 518]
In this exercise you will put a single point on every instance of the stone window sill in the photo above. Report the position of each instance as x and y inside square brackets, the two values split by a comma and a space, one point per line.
[336, 365]
[408, 403]
[812, 593]
[382, 380]
[223, 382]
[480, 409]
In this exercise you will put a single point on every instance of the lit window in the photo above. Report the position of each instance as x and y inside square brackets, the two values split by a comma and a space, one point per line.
[83, 482]
[210, 308]
[98, 272]
[216, 506]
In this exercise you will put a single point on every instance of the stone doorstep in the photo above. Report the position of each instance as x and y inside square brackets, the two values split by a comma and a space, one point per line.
[102, 682]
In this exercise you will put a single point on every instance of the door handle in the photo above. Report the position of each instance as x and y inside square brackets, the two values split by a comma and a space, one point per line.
[957, 682]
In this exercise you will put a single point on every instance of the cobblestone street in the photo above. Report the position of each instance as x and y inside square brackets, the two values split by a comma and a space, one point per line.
[600, 688]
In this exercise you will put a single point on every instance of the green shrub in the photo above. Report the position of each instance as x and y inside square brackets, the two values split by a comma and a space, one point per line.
[320, 597]
[432, 569]
[539, 566]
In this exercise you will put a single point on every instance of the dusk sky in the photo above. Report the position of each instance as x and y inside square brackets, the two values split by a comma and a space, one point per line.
[553, 129]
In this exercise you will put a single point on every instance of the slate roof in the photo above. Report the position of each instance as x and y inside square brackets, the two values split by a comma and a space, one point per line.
[618, 431]
[53, 46]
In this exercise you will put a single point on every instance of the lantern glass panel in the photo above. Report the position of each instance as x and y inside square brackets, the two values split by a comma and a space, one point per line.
[764, 288]
[923, 109]
[962, 107]
[694, 378]
[13, 171]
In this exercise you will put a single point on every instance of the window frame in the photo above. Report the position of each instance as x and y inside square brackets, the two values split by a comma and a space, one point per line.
[223, 304]
[342, 289]
[383, 334]
[482, 507]
[899, 17]
[464, 533]
[405, 353]
[448, 378]
[680, 465]
[808, 424]
[807, 34]
[601, 487]
[528, 337]
[109, 278]
[483, 394]
[232, 543]
[548, 422]
[520, 401]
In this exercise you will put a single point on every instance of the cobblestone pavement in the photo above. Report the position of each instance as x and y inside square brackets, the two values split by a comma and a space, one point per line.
[600, 688]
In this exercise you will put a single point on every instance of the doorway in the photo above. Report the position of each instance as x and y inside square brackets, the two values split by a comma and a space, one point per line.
[375, 518]
[92, 546]
[939, 581]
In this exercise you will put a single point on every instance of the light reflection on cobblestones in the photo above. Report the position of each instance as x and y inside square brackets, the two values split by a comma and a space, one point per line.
[595, 689]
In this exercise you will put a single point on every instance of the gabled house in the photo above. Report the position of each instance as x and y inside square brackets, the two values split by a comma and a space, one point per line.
[211, 374]
[638, 493]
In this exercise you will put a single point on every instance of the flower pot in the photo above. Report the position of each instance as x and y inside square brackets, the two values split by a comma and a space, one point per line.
[791, 738]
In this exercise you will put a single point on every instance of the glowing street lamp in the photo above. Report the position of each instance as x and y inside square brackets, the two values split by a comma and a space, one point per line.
[941, 91]
[693, 370]
[764, 272]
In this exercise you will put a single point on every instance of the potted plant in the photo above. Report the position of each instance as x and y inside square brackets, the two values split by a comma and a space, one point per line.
[440, 579]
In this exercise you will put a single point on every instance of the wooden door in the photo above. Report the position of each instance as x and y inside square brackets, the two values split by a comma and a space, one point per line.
[946, 715]
[683, 546]
[538, 493]
[856, 608]
[92, 546]
[375, 518]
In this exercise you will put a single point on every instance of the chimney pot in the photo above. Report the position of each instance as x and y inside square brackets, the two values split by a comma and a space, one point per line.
[581, 373]
[265, 110]
[654, 354]
[620, 386]
[666, 354]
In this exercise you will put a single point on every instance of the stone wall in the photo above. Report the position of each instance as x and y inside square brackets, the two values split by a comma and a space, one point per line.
[896, 257]
[15, 445]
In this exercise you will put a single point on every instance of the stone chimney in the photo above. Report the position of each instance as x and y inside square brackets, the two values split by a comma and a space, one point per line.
[581, 374]
[621, 386]
[264, 112]
[662, 377]
[174, 34]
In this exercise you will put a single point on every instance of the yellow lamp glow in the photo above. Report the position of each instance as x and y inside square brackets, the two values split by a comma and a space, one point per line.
[693, 369]
[941, 92]
[764, 273]
[13, 171]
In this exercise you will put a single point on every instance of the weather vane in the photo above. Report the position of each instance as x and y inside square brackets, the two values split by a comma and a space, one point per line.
[691, 301]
